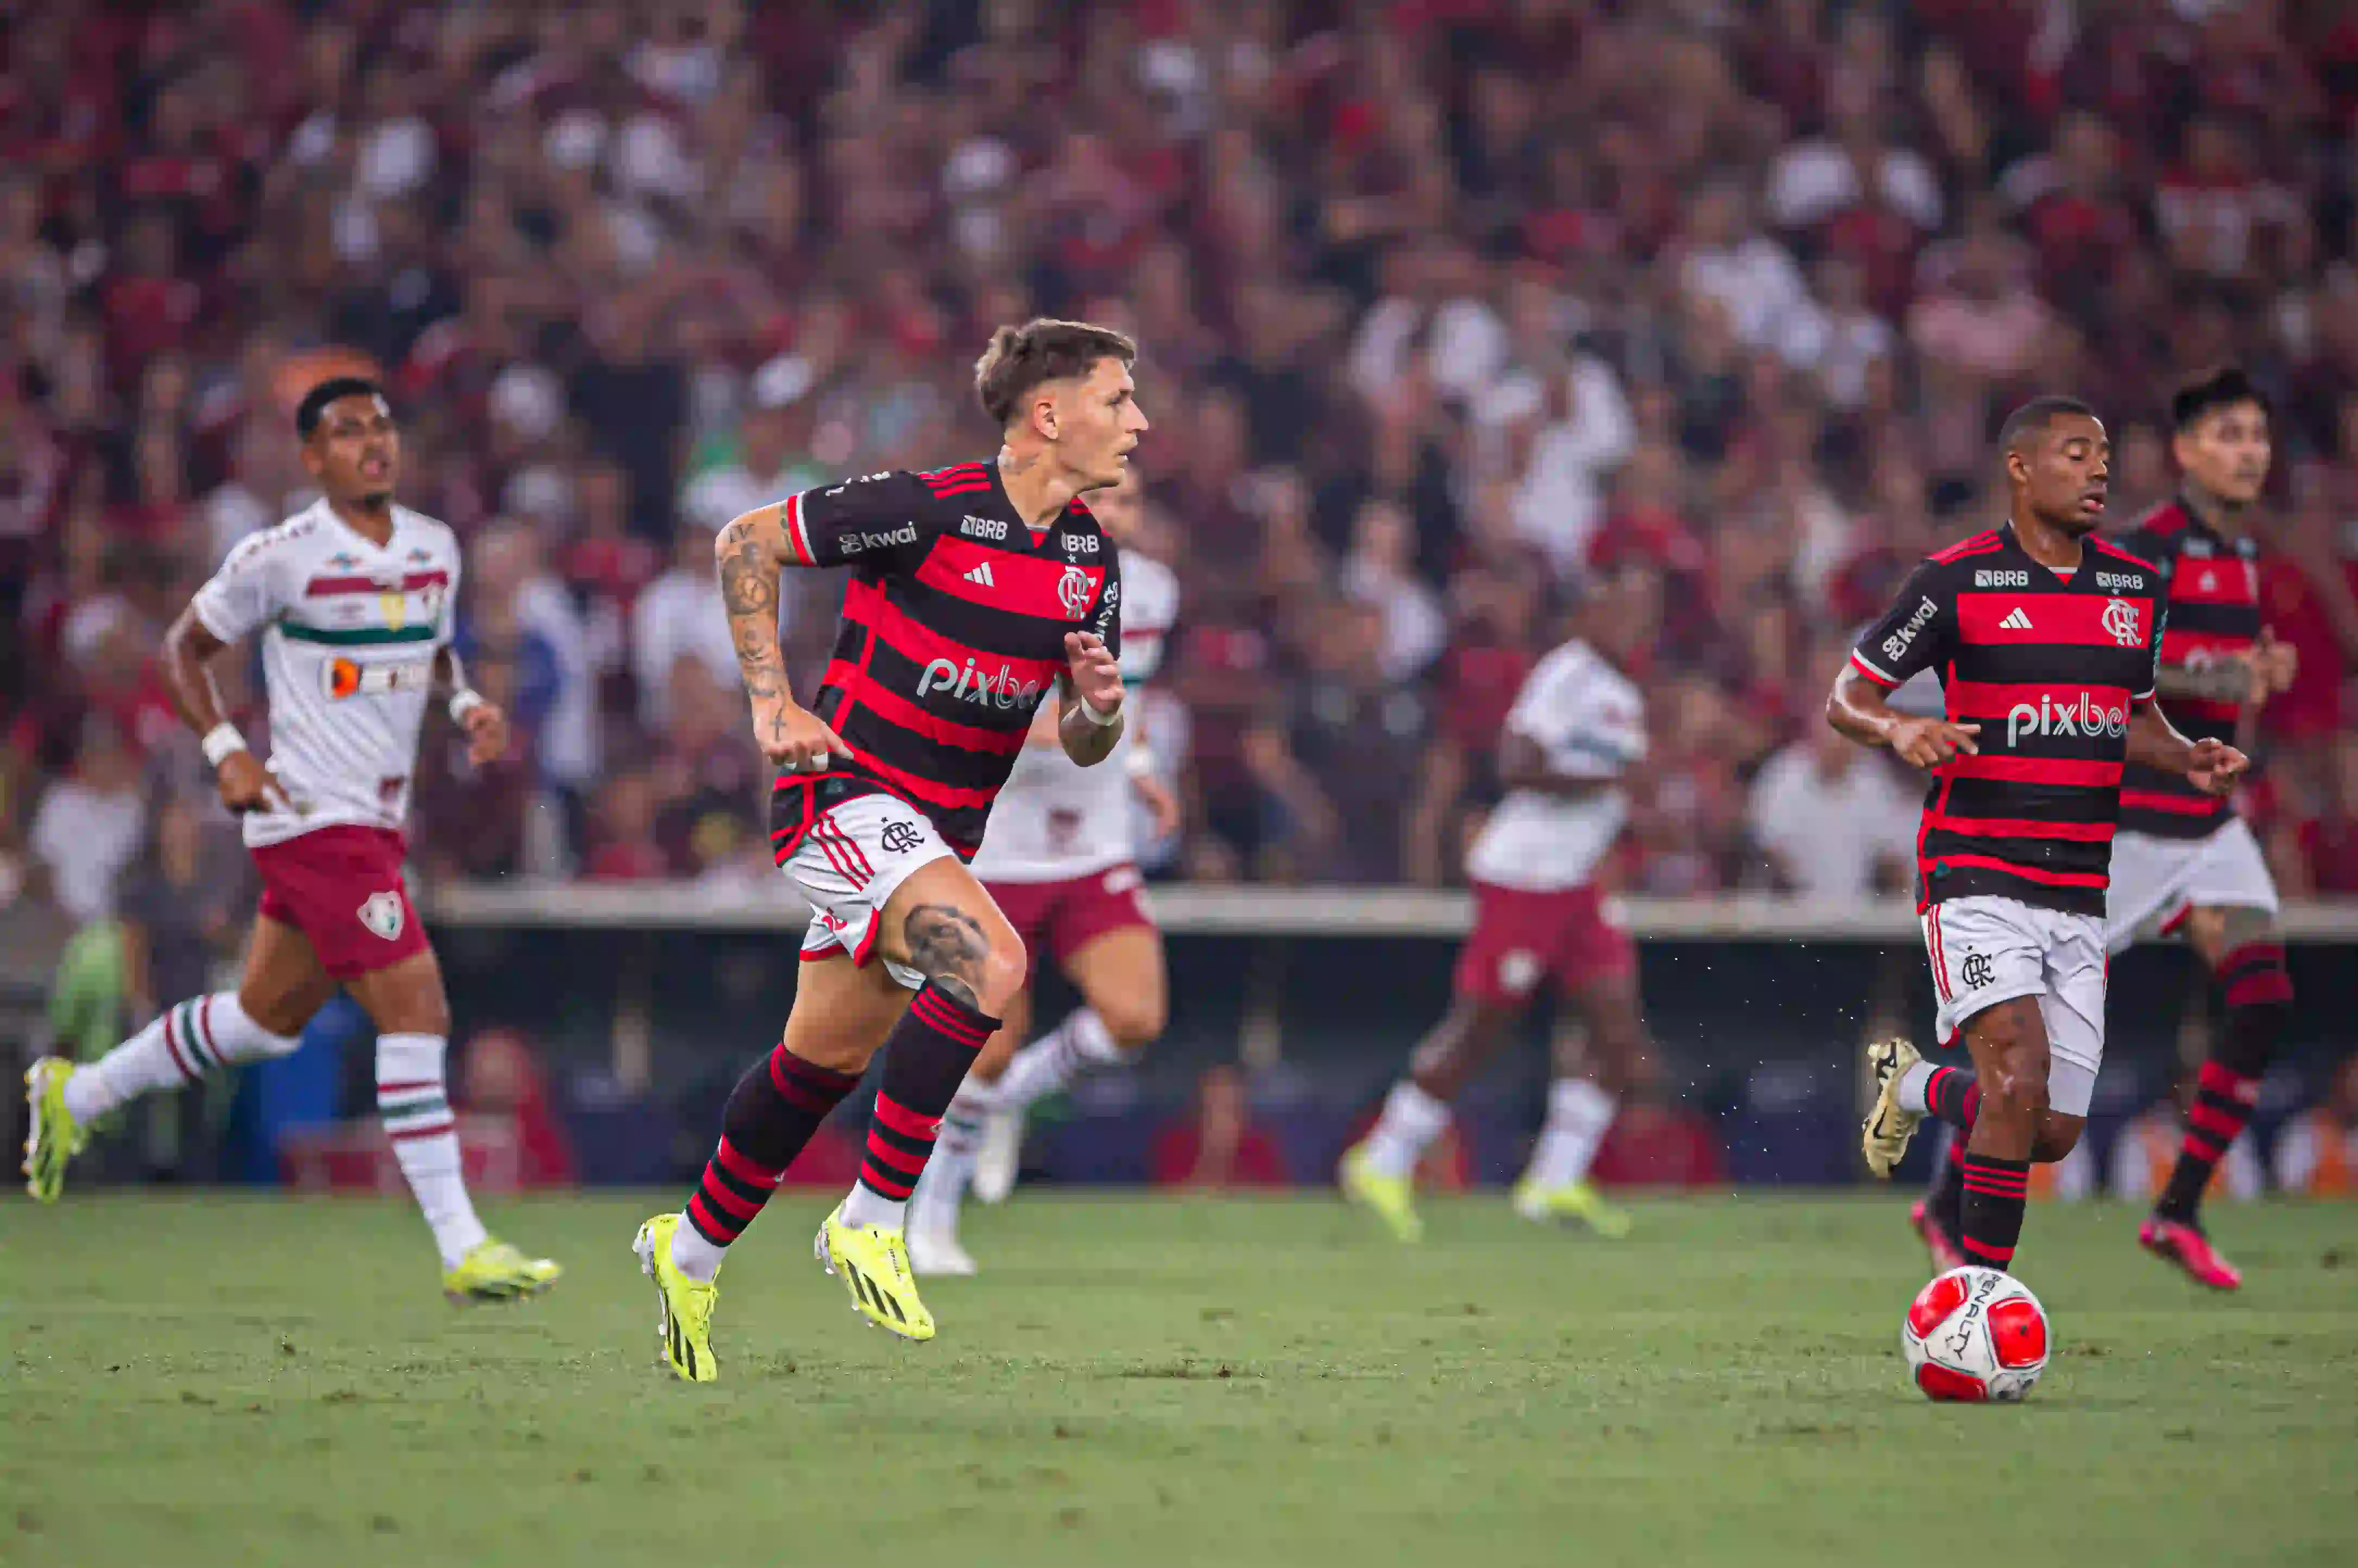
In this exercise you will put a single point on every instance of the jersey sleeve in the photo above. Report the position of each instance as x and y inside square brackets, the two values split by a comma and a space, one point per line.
[862, 520]
[1914, 635]
[1105, 616]
[1587, 722]
[446, 607]
[2153, 666]
[249, 591]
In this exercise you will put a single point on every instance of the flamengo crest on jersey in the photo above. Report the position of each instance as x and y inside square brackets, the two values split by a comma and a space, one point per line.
[349, 634]
[1056, 820]
[2052, 668]
[1589, 719]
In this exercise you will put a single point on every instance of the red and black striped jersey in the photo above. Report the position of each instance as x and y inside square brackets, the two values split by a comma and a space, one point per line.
[2051, 666]
[952, 631]
[2214, 613]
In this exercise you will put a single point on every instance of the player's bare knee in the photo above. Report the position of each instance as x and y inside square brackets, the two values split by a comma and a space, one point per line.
[1134, 1022]
[282, 1014]
[2056, 1136]
[959, 955]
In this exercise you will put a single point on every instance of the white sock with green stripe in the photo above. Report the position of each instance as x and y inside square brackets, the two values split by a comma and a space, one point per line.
[416, 1106]
[187, 1041]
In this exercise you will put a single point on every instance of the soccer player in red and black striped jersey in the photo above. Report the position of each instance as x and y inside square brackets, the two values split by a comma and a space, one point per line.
[976, 591]
[2184, 860]
[2045, 638]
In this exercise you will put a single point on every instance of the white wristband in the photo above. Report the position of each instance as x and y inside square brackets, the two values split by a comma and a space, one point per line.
[220, 741]
[463, 703]
[1094, 714]
[1138, 762]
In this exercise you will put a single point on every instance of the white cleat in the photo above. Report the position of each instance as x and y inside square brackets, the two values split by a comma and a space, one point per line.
[1883, 1136]
[996, 1162]
[936, 1254]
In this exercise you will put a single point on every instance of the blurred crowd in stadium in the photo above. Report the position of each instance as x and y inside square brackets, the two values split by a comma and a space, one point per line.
[1445, 304]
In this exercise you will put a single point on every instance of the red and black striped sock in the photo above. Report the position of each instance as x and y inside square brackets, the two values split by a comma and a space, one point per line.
[926, 1059]
[2223, 1099]
[2258, 994]
[771, 1113]
[1995, 1192]
[1947, 1198]
[1954, 1096]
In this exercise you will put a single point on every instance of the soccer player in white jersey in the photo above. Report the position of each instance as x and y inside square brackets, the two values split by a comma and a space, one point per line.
[1575, 729]
[353, 598]
[1059, 861]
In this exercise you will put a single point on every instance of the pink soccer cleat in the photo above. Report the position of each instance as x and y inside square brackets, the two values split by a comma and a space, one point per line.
[2191, 1250]
[1946, 1253]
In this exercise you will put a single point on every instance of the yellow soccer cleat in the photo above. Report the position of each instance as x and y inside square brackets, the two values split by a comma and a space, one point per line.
[1391, 1199]
[684, 1306]
[1576, 1202]
[1884, 1135]
[54, 1136]
[873, 1264]
[496, 1271]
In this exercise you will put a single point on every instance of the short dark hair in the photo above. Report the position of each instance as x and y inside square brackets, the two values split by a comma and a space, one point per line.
[2221, 388]
[315, 402]
[1019, 358]
[2034, 415]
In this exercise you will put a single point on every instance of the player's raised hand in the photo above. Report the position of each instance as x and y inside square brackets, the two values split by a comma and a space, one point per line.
[1095, 678]
[794, 738]
[487, 733]
[246, 785]
[1929, 742]
[2214, 767]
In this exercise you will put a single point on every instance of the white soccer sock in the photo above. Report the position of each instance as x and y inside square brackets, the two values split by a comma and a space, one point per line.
[1913, 1083]
[1412, 1119]
[186, 1040]
[865, 1206]
[941, 1192]
[692, 1254]
[1056, 1058]
[411, 1097]
[1578, 1114]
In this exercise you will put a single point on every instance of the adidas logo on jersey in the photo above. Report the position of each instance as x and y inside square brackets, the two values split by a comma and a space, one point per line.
[2016, 621]
[981, 575]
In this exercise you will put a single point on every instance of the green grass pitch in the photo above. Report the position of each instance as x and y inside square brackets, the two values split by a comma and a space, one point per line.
[267, 1381]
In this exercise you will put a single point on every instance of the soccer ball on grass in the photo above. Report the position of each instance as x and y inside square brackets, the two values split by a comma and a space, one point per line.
[1974, 1335]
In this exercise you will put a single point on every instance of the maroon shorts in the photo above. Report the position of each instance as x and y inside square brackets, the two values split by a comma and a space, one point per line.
[341, 887]
[1521, 938]
[1057, 919]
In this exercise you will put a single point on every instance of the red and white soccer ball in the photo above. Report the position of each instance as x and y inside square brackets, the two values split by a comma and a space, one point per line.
[1975, 1335]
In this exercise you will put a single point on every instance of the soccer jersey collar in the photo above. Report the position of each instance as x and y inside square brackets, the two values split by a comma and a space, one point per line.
[2072, 578]
[1022, 536]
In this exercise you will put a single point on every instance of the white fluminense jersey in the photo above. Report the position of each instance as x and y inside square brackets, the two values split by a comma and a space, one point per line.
[1589, 719]
[1056, 820]
[350, 631]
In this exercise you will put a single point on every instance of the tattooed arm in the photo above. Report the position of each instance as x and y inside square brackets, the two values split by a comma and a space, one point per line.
[751, 553]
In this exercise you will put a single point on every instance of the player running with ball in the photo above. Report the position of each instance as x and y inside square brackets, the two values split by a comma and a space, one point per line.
[976, 590]
[2046, 640]
[354, 597]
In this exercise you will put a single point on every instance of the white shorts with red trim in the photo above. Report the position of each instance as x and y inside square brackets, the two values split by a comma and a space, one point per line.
[2156, 881]
[1987, 950]
[848, 866]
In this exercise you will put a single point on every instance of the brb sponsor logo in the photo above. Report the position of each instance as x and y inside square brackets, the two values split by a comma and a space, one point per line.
[1896, 645]
[2118, 582]
[974, 527]
[2086, 716]
[978, 686]
[2001, 579]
